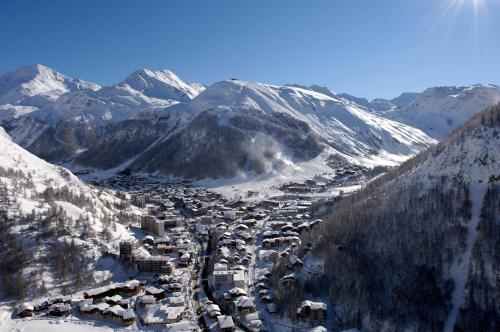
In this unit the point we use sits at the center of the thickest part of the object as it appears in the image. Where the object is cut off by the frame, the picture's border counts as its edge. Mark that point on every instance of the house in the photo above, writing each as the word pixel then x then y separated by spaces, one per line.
pixel 147 300
pixel 289 279
pixel 42 305
pixel 237 292
pixel 244 305
pixel 184 260
pixel 128 317
pixel 158 293
pixel 113 300
pixel 96 310
pixel 315 311
pixel 129 288
pixel 225 323
pixel 25 310
pixel 175 301
pixel 60 309
pixel 213 310
pixel 173 314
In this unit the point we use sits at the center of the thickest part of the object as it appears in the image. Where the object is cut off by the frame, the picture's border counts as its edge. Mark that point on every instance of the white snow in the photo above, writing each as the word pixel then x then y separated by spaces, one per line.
pixel 459 271
pixel 437 111
pixel 348 127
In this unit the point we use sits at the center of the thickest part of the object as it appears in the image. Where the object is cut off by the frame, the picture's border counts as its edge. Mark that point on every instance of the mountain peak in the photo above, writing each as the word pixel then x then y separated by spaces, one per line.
pixel 36 84
pixel 163 84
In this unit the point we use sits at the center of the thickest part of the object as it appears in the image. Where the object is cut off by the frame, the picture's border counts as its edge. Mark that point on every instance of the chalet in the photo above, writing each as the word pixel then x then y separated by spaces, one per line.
pixel 147 300
pixel 184 260
pixel 213 310
pixel 158 293
pixel 175 287
pixel 244 305
pixel 176 301
pixel 167 279
pixel 315 311
pixel 59 309
pixel 237 292
pixel 113 300
pixel 289 279
pixel 128 317
pixel 173 314
pixel 25 310
pixel 253 321
pixel 225 323
pixel 96 310
pixel 61 299
pixel 42 305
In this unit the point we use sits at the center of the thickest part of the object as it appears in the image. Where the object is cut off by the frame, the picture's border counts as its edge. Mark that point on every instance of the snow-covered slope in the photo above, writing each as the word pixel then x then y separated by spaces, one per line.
pixel 415 249
pixel 437 111
pixel 381 105
pixel 235 127
pixel 55 116
pixel 38 85
pixel 344 125
pixel 162 84
pixel 45 209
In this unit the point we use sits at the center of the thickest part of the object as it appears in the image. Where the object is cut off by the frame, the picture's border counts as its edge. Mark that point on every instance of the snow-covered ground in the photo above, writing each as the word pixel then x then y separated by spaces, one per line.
pixel 52 324
pixel 459 270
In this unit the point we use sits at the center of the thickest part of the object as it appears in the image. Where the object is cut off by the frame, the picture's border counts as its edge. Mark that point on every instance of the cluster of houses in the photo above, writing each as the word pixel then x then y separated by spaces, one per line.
pixel 176 223
pixel 112 302
pixel 58 306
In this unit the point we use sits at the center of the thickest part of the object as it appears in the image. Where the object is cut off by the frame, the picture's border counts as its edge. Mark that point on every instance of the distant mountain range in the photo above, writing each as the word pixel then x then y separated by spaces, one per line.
pixel 156 123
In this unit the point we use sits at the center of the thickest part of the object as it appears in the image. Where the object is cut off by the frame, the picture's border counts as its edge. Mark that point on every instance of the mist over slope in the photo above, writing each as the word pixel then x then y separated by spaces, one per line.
pixel 235 126
pixel 154 122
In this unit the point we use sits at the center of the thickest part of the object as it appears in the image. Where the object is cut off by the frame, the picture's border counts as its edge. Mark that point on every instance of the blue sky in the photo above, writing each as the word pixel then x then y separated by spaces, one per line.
pixel 369 48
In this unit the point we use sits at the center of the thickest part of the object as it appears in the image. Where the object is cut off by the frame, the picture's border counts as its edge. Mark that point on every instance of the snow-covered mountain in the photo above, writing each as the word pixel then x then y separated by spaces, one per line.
pixel 381 105
pixel 416 248
pixel 47 214
pixel 38 86
pixel 345 126
pixel 162 84
pixel 55 116
pixel 437 111
pixel 235 126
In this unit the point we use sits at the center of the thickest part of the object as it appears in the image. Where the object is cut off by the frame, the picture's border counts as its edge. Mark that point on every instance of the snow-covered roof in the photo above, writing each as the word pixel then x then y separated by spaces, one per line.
pixel 24 307
pixel 225 322
pixel 314 305
pixel 245 302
